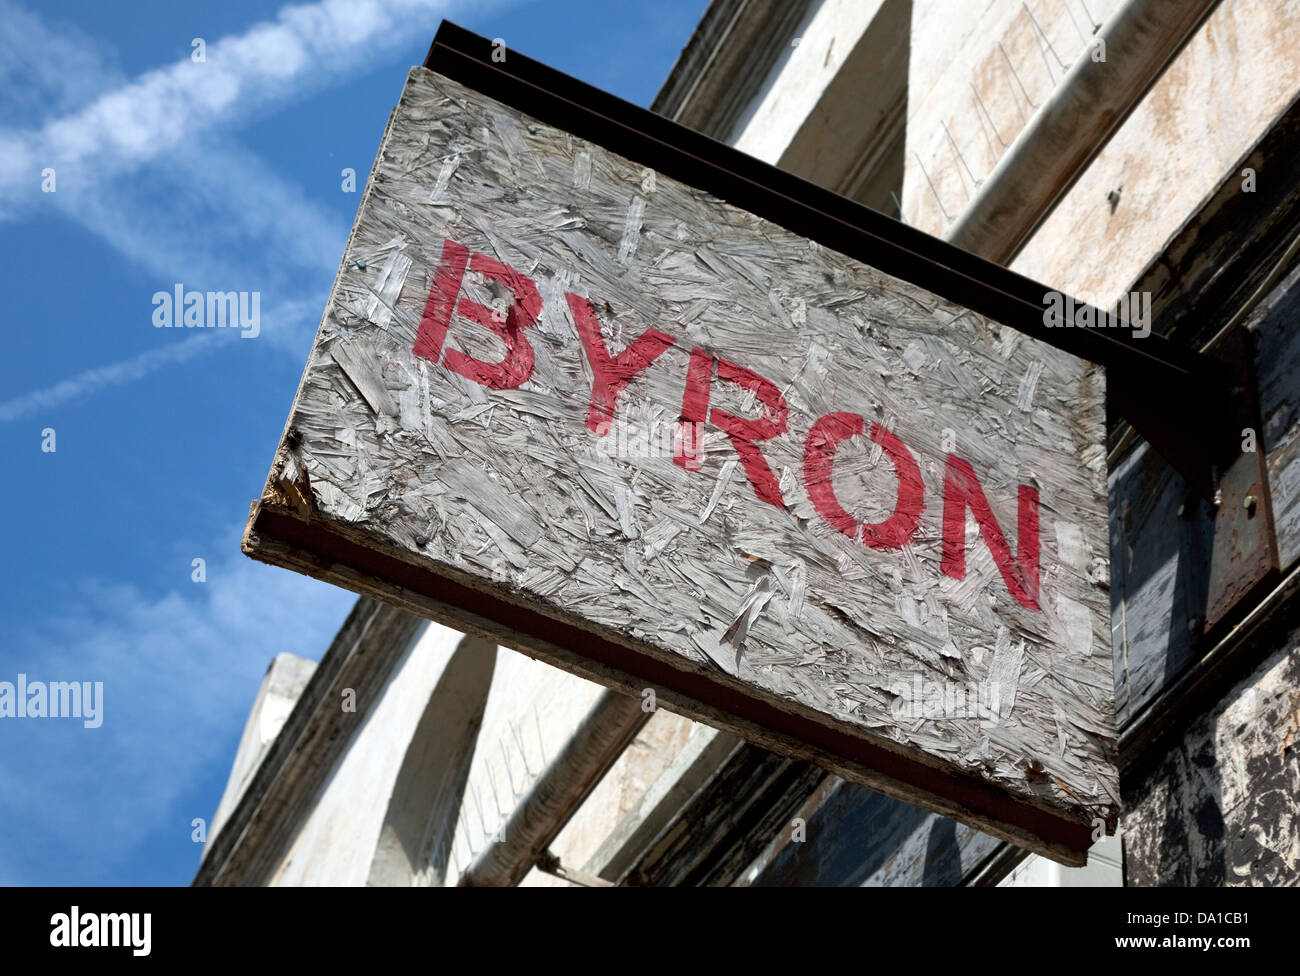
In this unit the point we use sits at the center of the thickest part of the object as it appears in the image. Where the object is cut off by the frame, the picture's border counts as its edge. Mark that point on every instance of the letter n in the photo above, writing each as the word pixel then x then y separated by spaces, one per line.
pixel 961 490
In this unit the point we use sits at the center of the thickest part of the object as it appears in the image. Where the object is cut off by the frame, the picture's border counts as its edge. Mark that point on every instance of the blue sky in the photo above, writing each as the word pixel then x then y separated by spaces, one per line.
pixel 223 175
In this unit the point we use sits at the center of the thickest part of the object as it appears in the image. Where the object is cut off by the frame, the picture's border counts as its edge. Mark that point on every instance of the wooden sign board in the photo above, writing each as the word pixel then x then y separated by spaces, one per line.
pixel 567 402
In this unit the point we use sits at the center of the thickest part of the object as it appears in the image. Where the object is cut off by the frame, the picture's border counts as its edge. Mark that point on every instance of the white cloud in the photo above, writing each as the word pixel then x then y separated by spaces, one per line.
pixel 303 48
pixel 180 673
pixel 290 325
pixel 102 377
pixel 43 69
pixel 212 211
pixel 209 215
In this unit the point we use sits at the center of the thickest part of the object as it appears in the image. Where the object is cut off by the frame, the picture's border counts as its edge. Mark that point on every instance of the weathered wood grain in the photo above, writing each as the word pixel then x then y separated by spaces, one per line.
pixel 1162 535
pixel 1278 370
pixel 1220 808
pixel 897 845
pixel 740 587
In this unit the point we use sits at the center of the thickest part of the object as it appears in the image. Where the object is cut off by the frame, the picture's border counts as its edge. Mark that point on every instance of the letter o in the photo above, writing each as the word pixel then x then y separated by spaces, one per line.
pixel 818 464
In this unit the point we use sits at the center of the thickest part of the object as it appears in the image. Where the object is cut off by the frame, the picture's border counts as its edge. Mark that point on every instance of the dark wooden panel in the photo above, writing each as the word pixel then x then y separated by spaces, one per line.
pixel 1277 326
pixel 727 823
pixel 862 838
pixel 1160 572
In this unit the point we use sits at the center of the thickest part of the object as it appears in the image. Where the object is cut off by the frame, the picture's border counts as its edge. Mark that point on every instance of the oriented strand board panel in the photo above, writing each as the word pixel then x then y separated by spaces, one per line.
pixel 608 419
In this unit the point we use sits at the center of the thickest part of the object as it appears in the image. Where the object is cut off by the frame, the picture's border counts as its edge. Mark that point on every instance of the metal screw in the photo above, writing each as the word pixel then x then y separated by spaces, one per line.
pixel 421 541
pixel 361 265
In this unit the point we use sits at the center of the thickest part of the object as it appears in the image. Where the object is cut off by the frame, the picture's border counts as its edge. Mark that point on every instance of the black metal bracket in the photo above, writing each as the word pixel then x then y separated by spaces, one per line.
pixel 1244 561
pixel 1212 436
pixel 1190 406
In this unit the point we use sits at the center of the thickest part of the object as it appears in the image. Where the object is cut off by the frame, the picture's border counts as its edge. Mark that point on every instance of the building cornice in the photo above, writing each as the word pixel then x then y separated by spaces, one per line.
pixel 284 790
pixel 727 61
